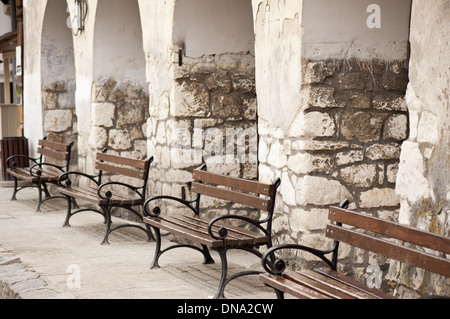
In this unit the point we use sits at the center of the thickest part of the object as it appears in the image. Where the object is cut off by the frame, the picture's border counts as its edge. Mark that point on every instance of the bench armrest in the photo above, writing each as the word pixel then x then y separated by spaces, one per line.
pixel 107 194
pixel 65 181
pixel 223 231
pixel 36 169
pixel 156 211
pixel 278 266
pixel 14 164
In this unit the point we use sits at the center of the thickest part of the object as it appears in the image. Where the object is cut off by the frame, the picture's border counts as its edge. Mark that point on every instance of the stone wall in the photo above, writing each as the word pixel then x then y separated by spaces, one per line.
pixel 60 119
pixel 343 143
pixel 119 124
pixel 211 110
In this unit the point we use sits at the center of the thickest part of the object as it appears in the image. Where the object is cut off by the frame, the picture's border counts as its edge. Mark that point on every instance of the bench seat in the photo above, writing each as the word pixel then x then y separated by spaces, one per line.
pixel 322 283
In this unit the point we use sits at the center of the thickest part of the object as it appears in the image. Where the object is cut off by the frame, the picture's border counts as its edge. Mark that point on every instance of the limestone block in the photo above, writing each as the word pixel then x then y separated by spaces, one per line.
pixel 378 197
pixel 308 220
pixel 318 71
pixel 320 191
pixel 119 139
pixel 57 120
pixel 319 145
pixel 243 83
pixel 287 189
pixel 428 128
pixel 395 77
pixel 226 105
pixel 360 100
pixel 104 114
pixel 383 151
pixel 396 127
pixel 304 163
pixel 320 96
pixel 318 125
pixel 359 175
pixel 98 137
pixel 349 157
pixel 391 173
pixel 102 89
pixel 249 108
pixel 411 180
pixel 389 102
pixel 219 82
pixel 313 124
pixel 129 114
pixel 276 156
pixel 352 81
pixel 363 126
pixel 190 99
pixel 49 100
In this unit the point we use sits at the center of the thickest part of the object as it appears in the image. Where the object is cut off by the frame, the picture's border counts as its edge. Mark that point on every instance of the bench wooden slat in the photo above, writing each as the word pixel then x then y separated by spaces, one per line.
pixel 257 237
pixel 334 290
pixel 236 235
pixel 290 287
pixel 171 227
pixel 120 170
pixel 54 145
pixel 22 173
pixel 85 193
pixel 122 160
pixel 351 282
pixel 390 249
pixel 225 194
pixel 54 154
pixel 233 182
pixel 198 227
pixel 201 225
pixel 391 229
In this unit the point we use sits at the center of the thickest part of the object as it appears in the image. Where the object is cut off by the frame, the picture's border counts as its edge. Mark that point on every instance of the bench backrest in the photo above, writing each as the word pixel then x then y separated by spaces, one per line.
pixel 55 152
pixel 238 190
pixel 130 167
pixel 410 254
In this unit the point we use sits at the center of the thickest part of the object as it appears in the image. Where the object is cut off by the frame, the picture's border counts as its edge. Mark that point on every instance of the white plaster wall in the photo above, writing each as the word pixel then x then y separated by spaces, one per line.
pixel 213 27
pixel 57 44
pixel 157 19
pixel 339 30
pixel 33 21
pixel 118 49
pixel 278 59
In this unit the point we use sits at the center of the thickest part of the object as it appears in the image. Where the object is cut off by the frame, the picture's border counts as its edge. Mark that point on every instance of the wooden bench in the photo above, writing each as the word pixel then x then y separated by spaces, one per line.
pixel 112 194
pixel 365 232
pixel 217 233
pixel 54 159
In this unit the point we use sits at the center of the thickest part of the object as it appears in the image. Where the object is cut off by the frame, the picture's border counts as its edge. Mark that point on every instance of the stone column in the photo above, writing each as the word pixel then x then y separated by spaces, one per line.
pixel 424 170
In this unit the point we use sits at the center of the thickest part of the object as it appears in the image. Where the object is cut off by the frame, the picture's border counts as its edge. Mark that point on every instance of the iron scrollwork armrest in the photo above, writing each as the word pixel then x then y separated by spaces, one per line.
pixel 14 157
pixel 278 266
pixel 65 181
pixel 36 169
pixel 156 211
pixel 223 231
pixel 108 193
